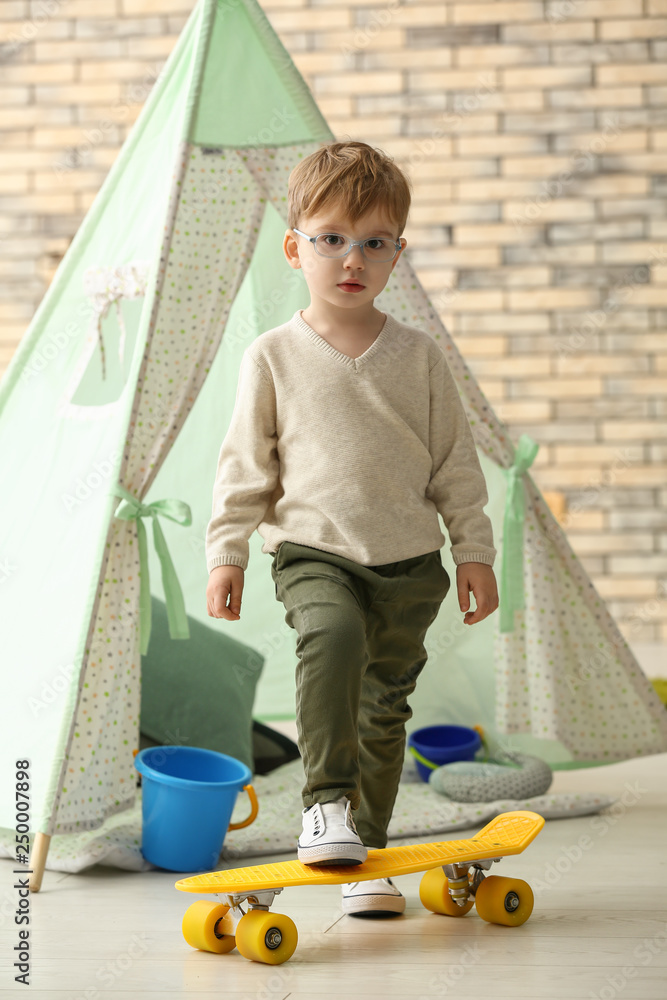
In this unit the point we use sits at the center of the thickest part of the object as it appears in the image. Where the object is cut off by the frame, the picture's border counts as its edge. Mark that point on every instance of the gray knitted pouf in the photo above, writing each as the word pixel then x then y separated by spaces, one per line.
pixel 471 781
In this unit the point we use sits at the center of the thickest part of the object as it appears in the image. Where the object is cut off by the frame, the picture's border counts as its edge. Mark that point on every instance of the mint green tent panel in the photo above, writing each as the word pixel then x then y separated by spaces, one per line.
pixel 266 101
pixel 63 455
pixel 188 230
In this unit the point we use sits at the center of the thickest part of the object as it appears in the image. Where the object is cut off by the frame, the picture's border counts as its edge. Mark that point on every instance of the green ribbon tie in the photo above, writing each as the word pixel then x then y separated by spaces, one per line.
pixel 176 510
pixel 511 582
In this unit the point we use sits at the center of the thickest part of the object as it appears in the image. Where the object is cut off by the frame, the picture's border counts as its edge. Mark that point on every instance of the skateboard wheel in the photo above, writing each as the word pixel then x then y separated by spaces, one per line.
pixel 502 900
pixel 206 926
pixel 262 936
pixel 434 894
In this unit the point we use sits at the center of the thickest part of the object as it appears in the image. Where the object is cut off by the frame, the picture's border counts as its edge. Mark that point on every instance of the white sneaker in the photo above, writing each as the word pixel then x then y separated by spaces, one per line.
pixel 329 835
pixel 377 897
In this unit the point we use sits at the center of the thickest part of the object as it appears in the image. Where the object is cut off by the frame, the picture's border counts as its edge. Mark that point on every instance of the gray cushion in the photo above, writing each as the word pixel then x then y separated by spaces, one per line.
pixel 514 775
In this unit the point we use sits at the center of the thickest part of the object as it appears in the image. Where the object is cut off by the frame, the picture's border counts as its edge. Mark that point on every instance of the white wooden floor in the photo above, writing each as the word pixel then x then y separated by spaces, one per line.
pixel 598 930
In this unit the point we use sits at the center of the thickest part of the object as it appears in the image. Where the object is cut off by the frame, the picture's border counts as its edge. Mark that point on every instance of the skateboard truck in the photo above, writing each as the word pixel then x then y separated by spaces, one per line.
pixel 460 885
pixel 262 899
pixel 259 900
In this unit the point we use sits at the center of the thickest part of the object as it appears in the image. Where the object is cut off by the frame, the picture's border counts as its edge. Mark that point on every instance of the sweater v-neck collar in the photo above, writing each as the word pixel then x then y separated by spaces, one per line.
pixel 345 359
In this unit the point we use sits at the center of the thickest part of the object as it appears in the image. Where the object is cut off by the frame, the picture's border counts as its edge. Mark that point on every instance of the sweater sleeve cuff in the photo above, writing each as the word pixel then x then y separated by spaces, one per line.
pixel 224 560
pixel 480 557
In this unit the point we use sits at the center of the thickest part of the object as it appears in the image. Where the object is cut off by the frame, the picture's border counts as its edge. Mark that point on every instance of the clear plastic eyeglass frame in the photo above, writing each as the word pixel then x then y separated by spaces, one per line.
pixel 353 243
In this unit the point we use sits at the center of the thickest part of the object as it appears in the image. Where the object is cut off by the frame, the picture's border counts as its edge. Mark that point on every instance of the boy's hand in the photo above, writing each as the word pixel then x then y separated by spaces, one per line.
pixel 480 578
pixel 223 582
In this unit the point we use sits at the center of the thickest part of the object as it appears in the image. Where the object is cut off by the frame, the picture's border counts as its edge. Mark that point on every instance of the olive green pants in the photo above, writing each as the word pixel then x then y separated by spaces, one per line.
pixel 360 649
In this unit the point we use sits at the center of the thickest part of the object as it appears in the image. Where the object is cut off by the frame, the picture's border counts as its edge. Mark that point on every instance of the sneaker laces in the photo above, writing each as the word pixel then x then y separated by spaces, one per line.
pixel 316 818
pixel 351 885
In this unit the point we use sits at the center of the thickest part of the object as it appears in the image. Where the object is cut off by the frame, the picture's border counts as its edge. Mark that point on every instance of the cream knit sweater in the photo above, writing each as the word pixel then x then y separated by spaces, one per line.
pixel 355 456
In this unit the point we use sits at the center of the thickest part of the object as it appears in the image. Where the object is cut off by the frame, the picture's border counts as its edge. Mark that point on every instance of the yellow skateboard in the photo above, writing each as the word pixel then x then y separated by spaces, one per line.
pixel 449 886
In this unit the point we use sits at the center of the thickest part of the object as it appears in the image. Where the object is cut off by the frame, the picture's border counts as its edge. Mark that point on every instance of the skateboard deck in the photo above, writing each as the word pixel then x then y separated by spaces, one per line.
pixel 509 833
pixel 453 882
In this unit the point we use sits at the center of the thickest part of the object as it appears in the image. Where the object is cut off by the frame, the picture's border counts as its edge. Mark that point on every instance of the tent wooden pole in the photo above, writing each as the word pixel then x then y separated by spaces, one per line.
pixel 38 860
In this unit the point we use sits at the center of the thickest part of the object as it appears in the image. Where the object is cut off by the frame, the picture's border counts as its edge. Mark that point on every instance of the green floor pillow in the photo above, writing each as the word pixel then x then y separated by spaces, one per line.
pixel 198 691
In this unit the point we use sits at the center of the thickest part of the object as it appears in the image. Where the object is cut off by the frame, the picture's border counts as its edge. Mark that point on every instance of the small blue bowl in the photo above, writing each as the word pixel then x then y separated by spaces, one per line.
pixel 440 745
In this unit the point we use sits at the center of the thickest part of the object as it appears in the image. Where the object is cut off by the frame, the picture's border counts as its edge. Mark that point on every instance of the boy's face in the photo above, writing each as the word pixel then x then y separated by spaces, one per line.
pixel 325 275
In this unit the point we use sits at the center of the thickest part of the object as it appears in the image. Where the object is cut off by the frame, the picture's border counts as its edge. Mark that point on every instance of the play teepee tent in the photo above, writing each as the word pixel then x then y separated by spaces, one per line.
pixel 113 410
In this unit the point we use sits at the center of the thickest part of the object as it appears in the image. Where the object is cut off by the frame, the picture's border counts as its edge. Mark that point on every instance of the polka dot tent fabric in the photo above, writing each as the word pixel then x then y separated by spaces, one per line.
pixel 565 672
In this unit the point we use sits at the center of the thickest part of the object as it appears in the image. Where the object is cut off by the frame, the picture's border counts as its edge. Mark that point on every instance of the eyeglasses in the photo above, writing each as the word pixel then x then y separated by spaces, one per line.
pixel 376 248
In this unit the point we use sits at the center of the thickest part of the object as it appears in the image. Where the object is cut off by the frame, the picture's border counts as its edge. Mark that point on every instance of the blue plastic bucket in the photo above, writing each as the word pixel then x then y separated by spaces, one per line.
pixel 188 795
pixel 440 745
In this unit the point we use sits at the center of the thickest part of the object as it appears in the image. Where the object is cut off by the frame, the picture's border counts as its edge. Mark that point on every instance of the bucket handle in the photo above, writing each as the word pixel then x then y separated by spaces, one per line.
pixel 421 759
pixel 432 766
pixel 254 809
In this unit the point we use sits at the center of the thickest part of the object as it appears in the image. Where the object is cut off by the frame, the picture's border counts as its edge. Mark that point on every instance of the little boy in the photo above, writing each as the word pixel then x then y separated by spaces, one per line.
pixel 348 437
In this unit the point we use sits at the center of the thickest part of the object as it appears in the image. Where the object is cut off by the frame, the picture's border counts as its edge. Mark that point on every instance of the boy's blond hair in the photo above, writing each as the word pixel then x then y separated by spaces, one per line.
pixel 352 175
